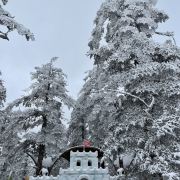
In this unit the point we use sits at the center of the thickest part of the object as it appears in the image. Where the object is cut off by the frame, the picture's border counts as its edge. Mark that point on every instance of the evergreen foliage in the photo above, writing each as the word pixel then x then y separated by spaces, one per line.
pixel 2 93
pixel 40 120
pixel 7 20
pixel 130 100
pixel 9 140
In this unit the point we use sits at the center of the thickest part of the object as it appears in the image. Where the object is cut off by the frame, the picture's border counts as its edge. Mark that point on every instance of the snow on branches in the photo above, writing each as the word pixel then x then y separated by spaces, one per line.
pixel 7 20
pixel 130 99
pixel 42 115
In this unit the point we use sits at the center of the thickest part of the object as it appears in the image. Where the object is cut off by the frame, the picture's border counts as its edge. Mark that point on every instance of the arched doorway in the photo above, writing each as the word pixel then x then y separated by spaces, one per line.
pixel 83 177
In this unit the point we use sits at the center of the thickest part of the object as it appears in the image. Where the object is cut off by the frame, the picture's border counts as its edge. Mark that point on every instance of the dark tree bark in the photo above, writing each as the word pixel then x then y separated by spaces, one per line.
pixel 41 150
pixel 41 153
pixel 83 129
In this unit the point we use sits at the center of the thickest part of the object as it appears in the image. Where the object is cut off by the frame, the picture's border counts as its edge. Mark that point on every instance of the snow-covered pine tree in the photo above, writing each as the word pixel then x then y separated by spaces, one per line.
pixel 42 111
pixel 7 20
pixel 130 101
pixel 8 137
pixel 2 127
pixel 14 156
pixel 2 92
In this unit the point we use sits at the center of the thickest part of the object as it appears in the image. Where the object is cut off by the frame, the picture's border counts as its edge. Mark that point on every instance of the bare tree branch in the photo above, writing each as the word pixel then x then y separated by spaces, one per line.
pixel 169 34
pixel 32 158
pixel 115 168
pixel 4 35
pixel 50 168
pixel 54 163
pixel 149 106
pixel 137 97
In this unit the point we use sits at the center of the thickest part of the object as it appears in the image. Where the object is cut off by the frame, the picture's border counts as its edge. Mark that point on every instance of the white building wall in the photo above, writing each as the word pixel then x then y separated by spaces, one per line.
pixel 75 172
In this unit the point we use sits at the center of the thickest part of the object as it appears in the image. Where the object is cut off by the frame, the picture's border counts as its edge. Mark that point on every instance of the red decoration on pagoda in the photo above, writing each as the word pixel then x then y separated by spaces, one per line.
pixel 87 143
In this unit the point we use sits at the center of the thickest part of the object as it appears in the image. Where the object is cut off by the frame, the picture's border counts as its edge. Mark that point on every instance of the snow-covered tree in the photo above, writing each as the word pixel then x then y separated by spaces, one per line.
pixel 2 92
pixel 7 20
pixel 41 117
pixel 130 101
pixel 9 140
pixel 14 148
pixel 2 100
pixel 2 118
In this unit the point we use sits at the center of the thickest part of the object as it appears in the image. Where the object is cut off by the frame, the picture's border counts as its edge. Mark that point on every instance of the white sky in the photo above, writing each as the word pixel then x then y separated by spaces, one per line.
pixel 62 28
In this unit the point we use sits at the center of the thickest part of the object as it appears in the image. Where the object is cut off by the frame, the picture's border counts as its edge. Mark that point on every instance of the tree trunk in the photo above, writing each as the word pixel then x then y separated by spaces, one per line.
pixel 83 130
pixel 41 150
pixel 41 153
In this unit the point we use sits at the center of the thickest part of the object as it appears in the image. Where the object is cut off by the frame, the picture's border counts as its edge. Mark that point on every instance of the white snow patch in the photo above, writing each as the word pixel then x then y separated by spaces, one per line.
pixel 177 155
pixel 47 162
pixel 102 160
pixel 116 162
pixel 103 39
pixel 120 171
pixel 153 2
pixel 44 171
pixel 127 159
pixel 120 91
pixel 111 157
pixel 171 176
pixel 177 162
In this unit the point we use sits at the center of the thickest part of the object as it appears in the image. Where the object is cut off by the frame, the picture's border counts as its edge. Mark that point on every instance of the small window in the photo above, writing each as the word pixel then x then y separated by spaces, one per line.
pixel 89 163
pixel 78 163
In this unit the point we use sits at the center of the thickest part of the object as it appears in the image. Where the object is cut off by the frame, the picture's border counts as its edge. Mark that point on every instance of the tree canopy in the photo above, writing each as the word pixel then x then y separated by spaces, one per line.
pixel 8 21
pixel 130 100
pixel 40 120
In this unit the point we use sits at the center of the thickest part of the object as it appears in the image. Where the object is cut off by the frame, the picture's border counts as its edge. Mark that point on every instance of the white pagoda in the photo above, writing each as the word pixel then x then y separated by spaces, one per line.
pixel 85 164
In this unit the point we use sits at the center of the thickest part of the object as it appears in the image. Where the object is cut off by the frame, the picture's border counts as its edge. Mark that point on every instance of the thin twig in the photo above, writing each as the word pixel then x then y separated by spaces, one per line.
pixel 50 168
pixel 169 34
pixel 32 158
pixel 149 106
pixel 137 97
pixel 4 35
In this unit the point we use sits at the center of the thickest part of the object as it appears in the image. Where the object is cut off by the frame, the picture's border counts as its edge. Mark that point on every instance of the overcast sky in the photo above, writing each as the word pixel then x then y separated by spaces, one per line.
pixel 62 28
